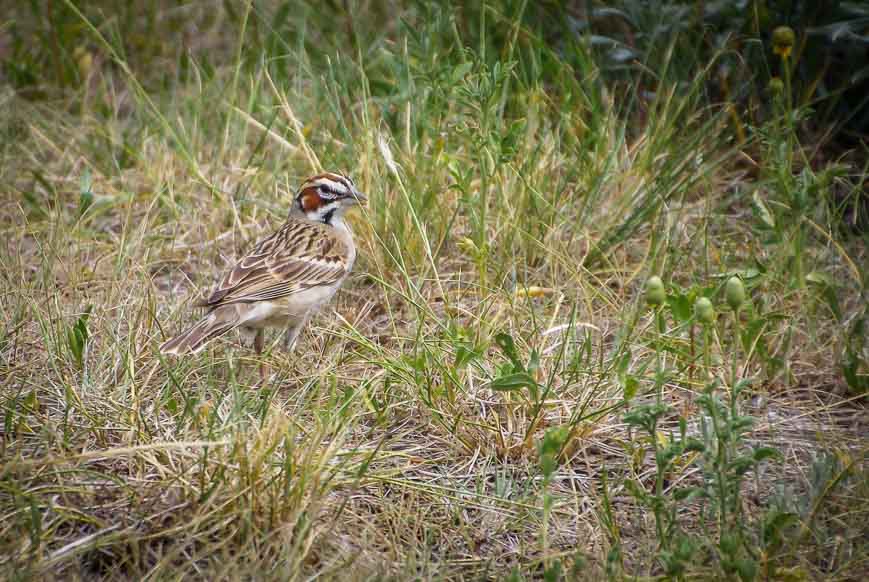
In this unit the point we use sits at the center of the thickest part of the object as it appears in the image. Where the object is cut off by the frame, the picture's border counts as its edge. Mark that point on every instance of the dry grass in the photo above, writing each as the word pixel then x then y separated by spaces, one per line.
pixel 370 453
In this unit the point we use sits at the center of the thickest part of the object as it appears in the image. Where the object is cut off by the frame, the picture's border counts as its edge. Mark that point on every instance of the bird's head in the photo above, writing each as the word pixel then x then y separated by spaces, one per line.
pixel 326 197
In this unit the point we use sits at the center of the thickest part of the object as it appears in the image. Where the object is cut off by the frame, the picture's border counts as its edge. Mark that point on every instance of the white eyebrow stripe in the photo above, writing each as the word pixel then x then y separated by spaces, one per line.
pixel 339 187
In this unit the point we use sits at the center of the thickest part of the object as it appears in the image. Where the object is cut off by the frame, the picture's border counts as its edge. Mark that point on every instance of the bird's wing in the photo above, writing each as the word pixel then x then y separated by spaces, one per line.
pixel 299 256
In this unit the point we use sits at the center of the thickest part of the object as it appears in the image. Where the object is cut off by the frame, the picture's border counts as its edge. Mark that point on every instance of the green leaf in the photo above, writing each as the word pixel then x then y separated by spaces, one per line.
pixel 534 361
pixel 464 355
pixel 630 385
pixel 32 401
pixel 819 278
pixel 681 306
pixel 688 493
pixel 742 385
pixel 534 392
pixel 693 445
pixel 762 453
pixel 762 211
pixel 747 569
pixel 740 465
pixel 741 424
pixel 510 382
pixel 508 346
pixel 623 363
pixel 77 337
pixel 416 362
pixel 744 274
pixel 553 572
pixel 774 524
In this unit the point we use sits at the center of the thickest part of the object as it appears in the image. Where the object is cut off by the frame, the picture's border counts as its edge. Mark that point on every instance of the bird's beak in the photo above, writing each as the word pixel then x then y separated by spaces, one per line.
pixel 361 199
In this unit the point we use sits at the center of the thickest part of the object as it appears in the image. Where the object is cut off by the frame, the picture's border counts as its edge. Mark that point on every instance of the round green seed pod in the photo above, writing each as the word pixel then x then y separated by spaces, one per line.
pixel 734 292
pixel 655 293
pixel 703 311
pixel 776 86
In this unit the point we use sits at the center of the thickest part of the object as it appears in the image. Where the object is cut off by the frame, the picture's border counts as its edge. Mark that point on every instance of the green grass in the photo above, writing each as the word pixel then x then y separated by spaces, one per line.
pixel 490 395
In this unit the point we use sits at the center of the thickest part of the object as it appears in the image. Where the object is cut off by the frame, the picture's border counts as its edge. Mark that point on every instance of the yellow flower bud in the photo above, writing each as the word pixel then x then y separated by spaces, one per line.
pixel 534 292
pixel 703 311
pixel 783 41
pixel 655 293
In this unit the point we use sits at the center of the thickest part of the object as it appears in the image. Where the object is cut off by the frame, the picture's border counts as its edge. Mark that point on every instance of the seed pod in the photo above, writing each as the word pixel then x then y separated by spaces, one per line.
pixel 84 60
pixel 703 311
pixel 734 292
pixel 776 86
pixel 469 247
pixel 783 38
pixel 655 293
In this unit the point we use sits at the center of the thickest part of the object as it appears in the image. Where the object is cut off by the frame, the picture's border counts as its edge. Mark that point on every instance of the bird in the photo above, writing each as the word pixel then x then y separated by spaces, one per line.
pixel 286 277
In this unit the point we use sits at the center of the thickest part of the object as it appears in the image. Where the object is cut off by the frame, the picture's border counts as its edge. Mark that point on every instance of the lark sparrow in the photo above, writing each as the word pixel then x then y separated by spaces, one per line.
pixel 288 275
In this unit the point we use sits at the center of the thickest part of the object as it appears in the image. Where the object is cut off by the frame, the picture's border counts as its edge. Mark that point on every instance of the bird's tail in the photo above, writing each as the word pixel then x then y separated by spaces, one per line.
pixel 193 340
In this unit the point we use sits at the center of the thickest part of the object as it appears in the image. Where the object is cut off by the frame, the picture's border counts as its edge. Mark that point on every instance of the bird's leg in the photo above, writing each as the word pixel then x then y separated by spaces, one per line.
pixel 258 341
pixel 293 334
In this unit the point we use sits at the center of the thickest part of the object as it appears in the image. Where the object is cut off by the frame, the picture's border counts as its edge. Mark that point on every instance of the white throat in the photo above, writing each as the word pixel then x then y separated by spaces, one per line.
pixel 346 235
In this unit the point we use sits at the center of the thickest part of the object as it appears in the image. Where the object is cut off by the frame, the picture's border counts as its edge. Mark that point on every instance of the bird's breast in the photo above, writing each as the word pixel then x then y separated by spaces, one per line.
pixel 287 311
